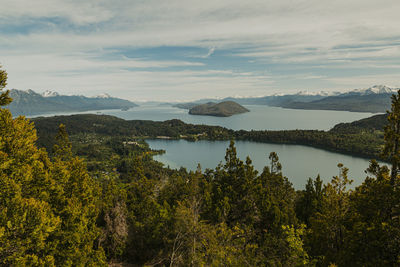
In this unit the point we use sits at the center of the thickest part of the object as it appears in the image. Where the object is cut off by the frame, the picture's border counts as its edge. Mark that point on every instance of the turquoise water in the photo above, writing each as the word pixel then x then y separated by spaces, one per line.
pixel 299 162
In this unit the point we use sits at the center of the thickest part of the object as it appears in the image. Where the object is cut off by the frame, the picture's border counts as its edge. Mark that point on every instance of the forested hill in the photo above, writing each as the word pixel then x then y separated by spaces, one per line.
pixel 361 138
pixel 222 109
pixel 31 103
pixel 374 123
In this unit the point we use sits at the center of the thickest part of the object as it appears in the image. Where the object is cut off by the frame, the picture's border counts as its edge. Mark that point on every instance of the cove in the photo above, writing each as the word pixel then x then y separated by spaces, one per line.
pixel 298 162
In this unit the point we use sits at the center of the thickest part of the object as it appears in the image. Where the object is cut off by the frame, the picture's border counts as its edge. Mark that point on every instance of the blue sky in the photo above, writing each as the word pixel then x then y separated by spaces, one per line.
pixel 184 50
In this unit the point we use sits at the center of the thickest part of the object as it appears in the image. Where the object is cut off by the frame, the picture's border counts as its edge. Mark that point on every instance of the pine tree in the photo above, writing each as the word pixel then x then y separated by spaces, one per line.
pixel 47 209
pixel 328 227
pixel 76 204
pixel 392 137
pixel 4 98
pixel 309 200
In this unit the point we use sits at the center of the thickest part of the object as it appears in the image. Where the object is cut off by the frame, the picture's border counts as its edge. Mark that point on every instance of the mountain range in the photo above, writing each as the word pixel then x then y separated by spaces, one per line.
pixel 376 99
pixel 31 103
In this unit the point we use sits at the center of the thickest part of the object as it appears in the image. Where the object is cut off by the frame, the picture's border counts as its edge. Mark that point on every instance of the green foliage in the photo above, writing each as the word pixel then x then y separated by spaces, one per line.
pixel 392 137
pixel 297 254
pixel 309 201
pixel 48 207
pixel 329 225
pixel 4 98
pixel 373 237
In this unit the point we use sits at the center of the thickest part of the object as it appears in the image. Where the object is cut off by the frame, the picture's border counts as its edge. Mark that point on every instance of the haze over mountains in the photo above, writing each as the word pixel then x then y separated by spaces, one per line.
pixel 31 103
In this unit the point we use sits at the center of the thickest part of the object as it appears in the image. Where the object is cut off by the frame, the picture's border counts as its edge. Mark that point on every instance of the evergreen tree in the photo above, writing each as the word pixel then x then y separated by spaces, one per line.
pixel 4 98
pixel 328 227
pixel 392 137
pixel 309 200
pixel 374 239
pixel 47 208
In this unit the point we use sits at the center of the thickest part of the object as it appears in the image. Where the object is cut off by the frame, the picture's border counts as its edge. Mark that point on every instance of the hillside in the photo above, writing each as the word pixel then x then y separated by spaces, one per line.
pixel 374 123
pixel 223 109
pixel 31 103
pixel 375 103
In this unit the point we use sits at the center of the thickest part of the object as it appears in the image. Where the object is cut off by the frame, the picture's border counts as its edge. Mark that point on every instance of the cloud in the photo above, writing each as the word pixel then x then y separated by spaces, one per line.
pixel 76 12
pixel 151 85
pixel 52 42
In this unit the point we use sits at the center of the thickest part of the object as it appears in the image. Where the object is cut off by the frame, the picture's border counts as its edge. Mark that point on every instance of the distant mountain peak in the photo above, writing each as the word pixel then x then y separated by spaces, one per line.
pixel 376 89
pixel 105 95
pixel 49 93
pixel 320 93
pixel 381 89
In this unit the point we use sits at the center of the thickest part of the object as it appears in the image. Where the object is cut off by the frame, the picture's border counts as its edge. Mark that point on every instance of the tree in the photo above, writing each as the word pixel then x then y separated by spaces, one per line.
pixel 62 148
pixel 4 98
pixel 374 236
pixel 47 208
pixel 328 227
pixel 230 190
pixel 309 200
pixel 392 137
pixel 275 197
pixel 76 202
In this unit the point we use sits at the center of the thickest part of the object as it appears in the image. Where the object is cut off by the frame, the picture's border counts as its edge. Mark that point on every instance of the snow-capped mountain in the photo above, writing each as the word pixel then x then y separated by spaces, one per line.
pixel 103 96
pixel 320 93
pixel 374 99
pixel 376 89
pixel 49 93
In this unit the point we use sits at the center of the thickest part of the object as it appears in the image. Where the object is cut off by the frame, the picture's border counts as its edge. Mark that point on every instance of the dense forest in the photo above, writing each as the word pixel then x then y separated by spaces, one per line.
pixel 96 198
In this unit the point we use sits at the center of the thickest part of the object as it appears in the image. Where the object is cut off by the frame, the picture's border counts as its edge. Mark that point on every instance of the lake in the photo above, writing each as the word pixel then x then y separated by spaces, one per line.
pixel 299 162
pixel 260 117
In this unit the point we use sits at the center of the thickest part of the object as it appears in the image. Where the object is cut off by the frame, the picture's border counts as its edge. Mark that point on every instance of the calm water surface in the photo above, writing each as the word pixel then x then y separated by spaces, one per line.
pixel 260 117
pixel 299 162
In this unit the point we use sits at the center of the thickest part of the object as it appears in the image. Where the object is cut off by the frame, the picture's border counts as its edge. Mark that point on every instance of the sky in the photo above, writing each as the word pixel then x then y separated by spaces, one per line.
pixel 169 50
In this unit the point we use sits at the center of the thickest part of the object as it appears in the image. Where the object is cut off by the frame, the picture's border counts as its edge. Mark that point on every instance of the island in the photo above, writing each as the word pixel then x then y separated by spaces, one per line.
pixel 223 109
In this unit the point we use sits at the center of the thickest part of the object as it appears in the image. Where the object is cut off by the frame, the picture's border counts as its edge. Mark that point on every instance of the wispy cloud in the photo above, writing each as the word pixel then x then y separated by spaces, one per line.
pixel 68 42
